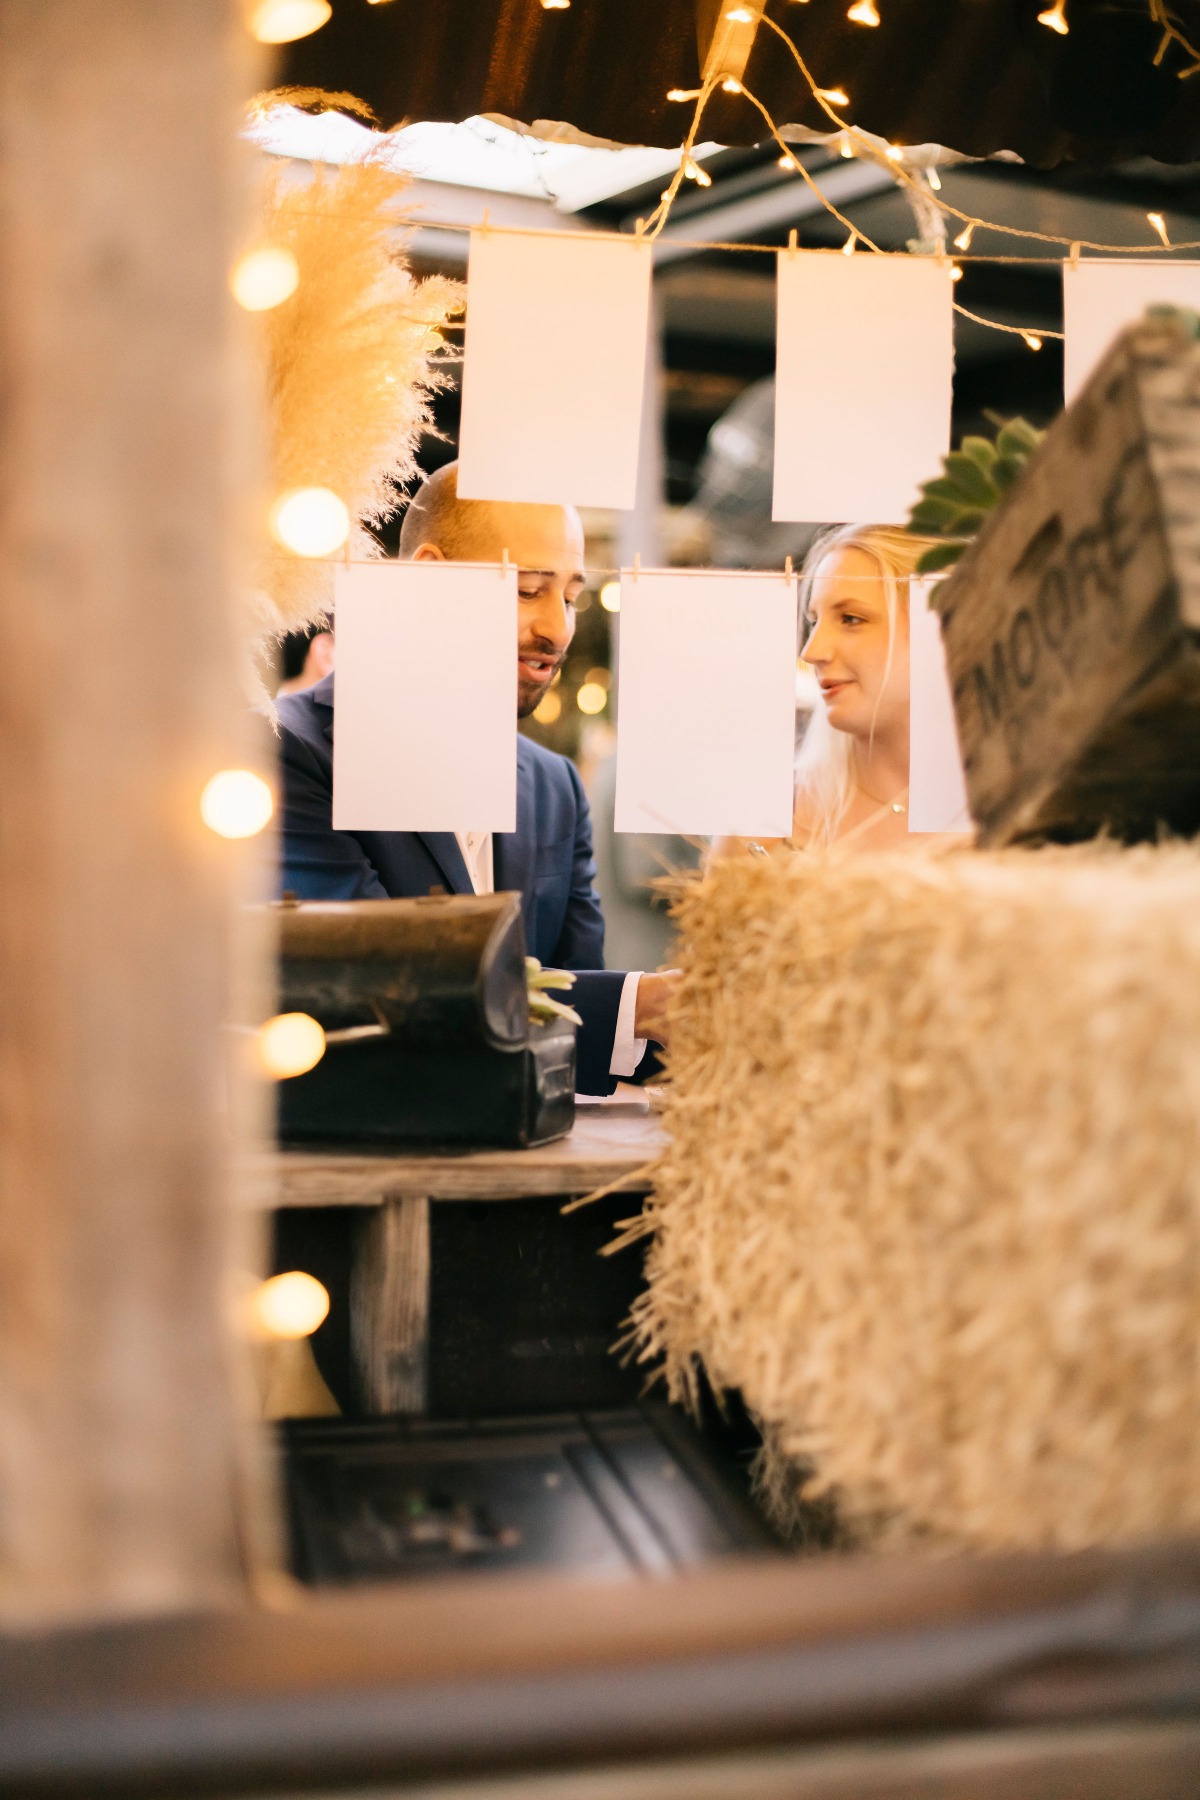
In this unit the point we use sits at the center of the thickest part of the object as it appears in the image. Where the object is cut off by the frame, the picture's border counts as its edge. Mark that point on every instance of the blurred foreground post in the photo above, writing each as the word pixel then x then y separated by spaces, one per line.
pixel 118 697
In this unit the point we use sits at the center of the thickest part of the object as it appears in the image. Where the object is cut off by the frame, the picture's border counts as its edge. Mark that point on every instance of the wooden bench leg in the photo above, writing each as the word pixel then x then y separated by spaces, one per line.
pixel 389 1307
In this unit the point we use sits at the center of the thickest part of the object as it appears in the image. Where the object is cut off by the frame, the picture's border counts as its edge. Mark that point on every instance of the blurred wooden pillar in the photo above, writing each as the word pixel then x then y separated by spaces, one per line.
pixel 119 475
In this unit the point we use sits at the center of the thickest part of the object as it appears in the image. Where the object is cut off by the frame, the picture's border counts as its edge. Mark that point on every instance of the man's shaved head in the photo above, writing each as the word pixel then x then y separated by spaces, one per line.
pixel 544 545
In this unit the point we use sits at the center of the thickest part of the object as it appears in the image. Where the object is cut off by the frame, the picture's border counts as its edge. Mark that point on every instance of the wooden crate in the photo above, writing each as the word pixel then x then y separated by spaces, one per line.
pixel 1072 625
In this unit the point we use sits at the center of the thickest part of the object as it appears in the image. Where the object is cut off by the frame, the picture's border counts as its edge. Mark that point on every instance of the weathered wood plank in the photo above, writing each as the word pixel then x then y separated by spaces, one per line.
pixel 389 1307
pixel 599 1151
pixel 118 437
pixel 1072 625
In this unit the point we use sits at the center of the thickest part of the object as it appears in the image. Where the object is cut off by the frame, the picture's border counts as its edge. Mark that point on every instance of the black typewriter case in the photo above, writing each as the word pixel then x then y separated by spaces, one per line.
pixel 428 1039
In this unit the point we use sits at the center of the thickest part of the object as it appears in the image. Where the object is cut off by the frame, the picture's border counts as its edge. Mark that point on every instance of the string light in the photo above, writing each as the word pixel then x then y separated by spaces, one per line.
pixel 236 803
pixel 591 698
pixel 787 162
pixel 731 85
pixel 1055 18
pixel 683 93
pixel 737 15
pixel 835 96
pixel 555 5
pixel 289 1306
pixel 848 246
pixel 610 596
pixel 264 278
pixel 283 21
pixel 934 180
pixel 290 1044
pixel 845 146
pixel 963 240
pixel 864 13
pixel 956 273
pixel 310 522
pixel 694 172
pixel 893 153
pixel 1032 339
pixel 1160 225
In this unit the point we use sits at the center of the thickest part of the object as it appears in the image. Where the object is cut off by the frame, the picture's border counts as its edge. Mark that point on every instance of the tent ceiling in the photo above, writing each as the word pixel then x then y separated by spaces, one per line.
pixel 976 75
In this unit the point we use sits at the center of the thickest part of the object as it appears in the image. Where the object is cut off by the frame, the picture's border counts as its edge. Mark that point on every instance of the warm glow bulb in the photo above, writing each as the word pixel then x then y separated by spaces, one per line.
pixel 955 273
pixel 591 698
pixel 848 246
pixel 963 240
pixel 835 96
pixel 283 21
pixel 264 278
pixel 934 180
pixel 731 85
pixel 787 162
pixel 1055 17
pixel 555 5
pixel 893 152
pixel 1160 225
pixel 310 522
pixel 695 173
pixel 290 1044
pixel 846 147
pixel 610 596
pixel 740 15
pixel 683 93
pixel 236 803
pixel 289 1306
pixel 1032 339
pixel 864 13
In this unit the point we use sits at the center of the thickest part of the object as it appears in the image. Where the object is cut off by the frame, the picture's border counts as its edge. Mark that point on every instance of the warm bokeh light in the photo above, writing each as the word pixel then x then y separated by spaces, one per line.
pixel 283 21
pixel 731 85
pixel 548 709
pixel 963 240
pixel 610 596
pixel 1055 17
pixel 836 96
pixel 599 678
pixel 955 273
pixel 787 162
pixel 310 522
pixel 1160 225
pixel 864 13
pixel 591 698
pixel 264 278
pixel 289 1306
pixel 290 1044
pixel 555 5
pixel 1032 339
pixel 236 803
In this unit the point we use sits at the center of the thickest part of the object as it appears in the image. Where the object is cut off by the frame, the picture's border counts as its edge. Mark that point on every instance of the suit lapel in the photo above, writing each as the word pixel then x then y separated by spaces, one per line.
pixel 513 851
pixel 443 848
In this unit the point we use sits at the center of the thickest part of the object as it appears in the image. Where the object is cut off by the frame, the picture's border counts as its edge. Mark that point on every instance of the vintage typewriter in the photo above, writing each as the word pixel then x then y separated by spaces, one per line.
pixel 427 1030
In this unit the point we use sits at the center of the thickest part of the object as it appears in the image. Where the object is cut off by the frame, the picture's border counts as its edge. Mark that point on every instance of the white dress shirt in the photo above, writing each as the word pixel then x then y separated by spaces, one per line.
pixel 628 1050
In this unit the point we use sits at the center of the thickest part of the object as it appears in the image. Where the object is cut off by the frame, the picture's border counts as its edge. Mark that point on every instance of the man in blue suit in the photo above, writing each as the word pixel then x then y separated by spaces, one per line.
pixel 548 858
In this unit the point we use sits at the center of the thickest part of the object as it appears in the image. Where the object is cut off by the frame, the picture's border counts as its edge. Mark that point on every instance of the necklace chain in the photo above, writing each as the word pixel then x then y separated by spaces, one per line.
pixel 897 805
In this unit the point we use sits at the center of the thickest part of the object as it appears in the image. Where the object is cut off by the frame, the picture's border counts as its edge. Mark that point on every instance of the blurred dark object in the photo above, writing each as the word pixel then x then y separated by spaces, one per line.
pixel 612 1493
pixel 428 1038
pixel 977 78
pixel 305 657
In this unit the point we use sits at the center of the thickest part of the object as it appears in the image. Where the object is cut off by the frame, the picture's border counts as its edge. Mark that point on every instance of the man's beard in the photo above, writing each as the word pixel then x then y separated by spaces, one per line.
pixel 530 693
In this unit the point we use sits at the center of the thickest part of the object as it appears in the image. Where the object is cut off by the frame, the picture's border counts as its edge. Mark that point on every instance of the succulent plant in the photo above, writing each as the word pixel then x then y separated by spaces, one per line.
pixel 542 1008
pixel 976 478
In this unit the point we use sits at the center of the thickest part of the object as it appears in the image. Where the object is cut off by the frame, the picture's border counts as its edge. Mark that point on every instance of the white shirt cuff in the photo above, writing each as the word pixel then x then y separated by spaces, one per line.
pixel 628 1050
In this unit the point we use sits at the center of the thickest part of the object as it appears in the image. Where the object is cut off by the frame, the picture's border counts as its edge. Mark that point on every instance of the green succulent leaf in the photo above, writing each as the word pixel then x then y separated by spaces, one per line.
pixel 980 450
pixel 941 556
pixel 932 514
pixel 1017 437
pixel 978 488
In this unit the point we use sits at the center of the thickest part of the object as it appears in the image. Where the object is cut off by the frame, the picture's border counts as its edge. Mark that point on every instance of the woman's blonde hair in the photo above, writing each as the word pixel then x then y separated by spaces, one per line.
pixel 825 764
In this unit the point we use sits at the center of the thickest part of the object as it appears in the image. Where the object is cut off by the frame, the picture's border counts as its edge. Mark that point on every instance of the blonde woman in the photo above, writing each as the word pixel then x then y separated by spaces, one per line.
pixel 852 770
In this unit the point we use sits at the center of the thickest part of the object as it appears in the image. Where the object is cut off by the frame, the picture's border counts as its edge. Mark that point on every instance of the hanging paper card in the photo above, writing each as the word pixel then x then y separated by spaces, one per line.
pixel 426 688
pixel 553 369
pixel 1100 296
pixel 937 788
pixel 707 698
pixel 864 373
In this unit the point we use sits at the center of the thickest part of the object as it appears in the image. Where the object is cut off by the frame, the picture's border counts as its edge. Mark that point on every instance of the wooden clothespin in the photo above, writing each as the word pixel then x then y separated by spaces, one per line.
pixel 787 568
pixel 1074 256
pixel 639 227
pixel 637 564
pixel 793 241
pixel 504 562
pixel 484 222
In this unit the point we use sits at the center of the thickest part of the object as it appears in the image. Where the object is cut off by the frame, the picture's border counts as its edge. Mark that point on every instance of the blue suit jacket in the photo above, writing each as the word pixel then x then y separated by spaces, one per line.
pixel 547 860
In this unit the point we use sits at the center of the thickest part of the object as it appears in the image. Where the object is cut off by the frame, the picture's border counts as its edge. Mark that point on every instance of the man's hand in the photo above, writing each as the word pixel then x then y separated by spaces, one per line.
pixel 654 996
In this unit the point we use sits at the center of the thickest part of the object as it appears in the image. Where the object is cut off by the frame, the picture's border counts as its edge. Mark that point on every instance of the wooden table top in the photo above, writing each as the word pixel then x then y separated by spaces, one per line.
pixel 609 1145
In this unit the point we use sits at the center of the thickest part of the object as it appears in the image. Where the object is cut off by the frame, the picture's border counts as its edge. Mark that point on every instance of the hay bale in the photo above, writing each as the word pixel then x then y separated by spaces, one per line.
pixel 932 1199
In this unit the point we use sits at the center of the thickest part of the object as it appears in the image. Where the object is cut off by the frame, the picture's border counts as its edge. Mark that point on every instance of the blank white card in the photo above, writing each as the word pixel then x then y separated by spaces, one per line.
pixel 426 690
pixel 937 787
pixel 707 698
pixel 553 368
pixel 863 385
pixel 1100 297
